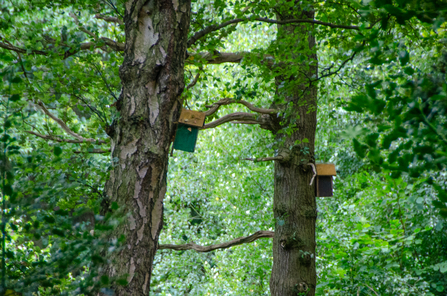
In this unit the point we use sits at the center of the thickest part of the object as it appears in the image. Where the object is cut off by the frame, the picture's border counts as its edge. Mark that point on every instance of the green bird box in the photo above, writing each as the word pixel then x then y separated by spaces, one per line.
pixel 324 185
pixel 188 130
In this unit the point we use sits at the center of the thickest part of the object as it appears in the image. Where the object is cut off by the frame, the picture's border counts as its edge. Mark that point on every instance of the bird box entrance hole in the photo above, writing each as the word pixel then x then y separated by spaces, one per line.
pixel 324 184
pixel 188 130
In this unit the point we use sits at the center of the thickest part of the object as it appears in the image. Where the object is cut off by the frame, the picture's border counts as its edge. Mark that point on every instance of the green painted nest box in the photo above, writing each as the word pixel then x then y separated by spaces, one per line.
pixel 324 185
pixel 188 130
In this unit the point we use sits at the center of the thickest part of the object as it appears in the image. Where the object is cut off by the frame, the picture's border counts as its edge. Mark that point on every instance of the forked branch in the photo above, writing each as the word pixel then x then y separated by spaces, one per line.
pixel 235 242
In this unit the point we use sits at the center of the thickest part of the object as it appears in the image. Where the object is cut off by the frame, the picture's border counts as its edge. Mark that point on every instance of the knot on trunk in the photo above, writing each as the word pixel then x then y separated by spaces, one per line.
pixel 299 155
pixel 292 241
pixel 301 289
pixel 306 258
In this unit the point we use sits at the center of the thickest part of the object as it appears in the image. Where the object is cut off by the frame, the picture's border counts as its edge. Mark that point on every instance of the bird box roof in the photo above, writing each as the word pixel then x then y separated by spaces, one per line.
pixel 194 118
pixel 326 169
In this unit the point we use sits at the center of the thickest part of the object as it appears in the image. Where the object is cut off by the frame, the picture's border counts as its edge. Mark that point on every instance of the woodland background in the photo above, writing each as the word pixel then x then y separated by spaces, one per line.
pixel 381 121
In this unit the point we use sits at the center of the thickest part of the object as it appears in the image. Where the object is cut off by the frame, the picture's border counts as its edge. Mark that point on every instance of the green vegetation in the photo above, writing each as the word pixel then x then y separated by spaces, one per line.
pixel 381 119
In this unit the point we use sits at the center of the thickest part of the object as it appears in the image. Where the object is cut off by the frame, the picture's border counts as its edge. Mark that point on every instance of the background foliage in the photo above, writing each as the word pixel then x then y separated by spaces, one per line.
pixel 381 120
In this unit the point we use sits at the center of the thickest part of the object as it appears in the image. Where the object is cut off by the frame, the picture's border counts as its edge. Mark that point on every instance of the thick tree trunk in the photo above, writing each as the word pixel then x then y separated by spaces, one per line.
pixel 294 205
pixel 152 82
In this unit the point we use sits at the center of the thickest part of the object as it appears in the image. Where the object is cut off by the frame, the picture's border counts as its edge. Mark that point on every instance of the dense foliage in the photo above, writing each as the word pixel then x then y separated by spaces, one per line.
pixel 381 120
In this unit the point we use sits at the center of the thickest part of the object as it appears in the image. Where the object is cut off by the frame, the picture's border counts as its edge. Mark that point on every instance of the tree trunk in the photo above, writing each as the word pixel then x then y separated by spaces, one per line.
pixel 152 82
pixel 294 204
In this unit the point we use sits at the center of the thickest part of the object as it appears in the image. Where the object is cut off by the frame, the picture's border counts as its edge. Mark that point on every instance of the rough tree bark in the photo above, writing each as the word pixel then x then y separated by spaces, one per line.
pixel 294 206
pixel 152 82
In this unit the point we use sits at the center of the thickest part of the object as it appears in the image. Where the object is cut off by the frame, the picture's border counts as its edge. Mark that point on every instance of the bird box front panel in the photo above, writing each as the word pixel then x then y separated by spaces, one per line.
pixel 324 186
pixel 193 118
pixel 186 137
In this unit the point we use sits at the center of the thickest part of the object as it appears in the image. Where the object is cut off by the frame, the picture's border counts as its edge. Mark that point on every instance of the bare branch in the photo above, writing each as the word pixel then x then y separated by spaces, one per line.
pixel 81 27
pixel 226 101
pixel 99 151
pixel 109 19
pixel 190 85
pixel 117 46
pixel 230 57
pixel 235 242
pixel 339 68
pixel 9 46
pixel 210 29
pixel 66 128
pixel 200 34
pixel 265 159
pixel 242 117
pixel 54 138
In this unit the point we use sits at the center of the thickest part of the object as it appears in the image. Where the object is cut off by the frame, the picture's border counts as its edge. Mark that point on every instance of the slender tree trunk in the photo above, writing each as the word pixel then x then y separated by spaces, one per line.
pixel 152 82
pixel 294 205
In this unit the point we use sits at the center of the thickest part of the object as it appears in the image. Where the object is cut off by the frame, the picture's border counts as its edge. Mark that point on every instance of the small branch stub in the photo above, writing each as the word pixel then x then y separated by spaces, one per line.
pixel 301 289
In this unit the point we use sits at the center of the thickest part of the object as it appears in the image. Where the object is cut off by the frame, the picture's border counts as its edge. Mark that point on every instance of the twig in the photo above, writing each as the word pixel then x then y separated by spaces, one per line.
pixel 265 159
pixel 99 151
pixel 109 19
pixel 81 27
pixel 427 122
pixel 232 243
pixel 339 68
pixel 117 46
pixel 200 34
pixel 65 127
pixel 54 138
pixel 196 78
pixel 372 290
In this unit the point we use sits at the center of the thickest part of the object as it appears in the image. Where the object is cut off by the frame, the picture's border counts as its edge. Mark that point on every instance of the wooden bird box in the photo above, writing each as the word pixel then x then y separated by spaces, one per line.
pixel 324 184
pixel 188 130
pixel 192 118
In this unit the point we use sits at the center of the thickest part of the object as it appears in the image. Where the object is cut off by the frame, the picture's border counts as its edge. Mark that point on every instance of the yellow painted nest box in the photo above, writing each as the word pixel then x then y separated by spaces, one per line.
pixel 324 185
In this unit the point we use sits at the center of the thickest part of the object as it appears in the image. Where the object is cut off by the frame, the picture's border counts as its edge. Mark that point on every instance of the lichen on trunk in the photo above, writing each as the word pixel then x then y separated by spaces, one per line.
pixel 152 83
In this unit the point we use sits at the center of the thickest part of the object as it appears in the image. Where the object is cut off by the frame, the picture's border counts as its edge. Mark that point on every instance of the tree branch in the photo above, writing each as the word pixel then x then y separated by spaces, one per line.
pixel 339 68
pixel 196 78
pixel 117 46
pixel 227 57
pixel 265 159
pixel 241 117
pixel 66 128
pixel 226 101
pixel 53 138
pixel 18 49
pixel 81 27
pixel 238 241
pixel 200 34
pixel 99 151
pixel 109 19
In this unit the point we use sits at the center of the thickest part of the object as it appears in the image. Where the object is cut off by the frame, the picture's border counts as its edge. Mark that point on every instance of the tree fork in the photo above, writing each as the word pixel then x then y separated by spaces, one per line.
pixel 149 103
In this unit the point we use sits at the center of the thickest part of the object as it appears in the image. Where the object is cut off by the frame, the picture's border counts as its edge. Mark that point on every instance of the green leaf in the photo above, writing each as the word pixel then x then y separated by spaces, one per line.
pixel 404 57
pixel 14 98
pixel 57 150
